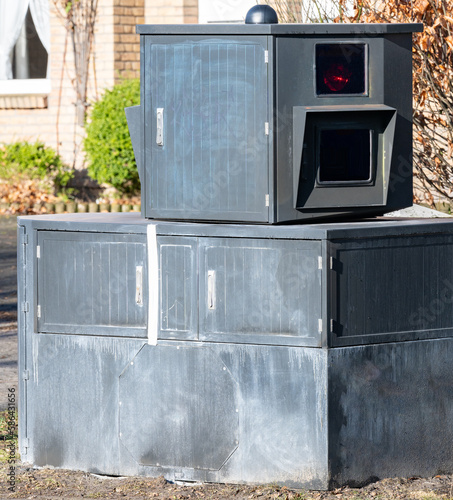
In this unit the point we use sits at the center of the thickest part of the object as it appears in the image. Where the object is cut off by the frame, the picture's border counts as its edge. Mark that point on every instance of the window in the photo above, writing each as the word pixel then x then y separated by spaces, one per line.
pixel 24 47
pixel 345 156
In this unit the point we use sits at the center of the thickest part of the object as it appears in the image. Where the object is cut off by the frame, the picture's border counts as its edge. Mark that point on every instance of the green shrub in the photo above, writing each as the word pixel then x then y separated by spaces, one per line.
pixel 108 146
pixel 34 161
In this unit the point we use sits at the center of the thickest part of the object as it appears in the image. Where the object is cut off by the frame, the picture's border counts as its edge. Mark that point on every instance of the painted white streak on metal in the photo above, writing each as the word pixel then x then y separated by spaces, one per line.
pixel 153 273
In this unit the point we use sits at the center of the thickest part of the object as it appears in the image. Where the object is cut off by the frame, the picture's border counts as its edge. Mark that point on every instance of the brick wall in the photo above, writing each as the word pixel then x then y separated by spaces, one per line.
pixel 127 14
pixel 171 11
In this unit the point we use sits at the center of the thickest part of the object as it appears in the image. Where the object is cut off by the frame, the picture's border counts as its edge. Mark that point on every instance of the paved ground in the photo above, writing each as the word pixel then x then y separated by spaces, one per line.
pixel 8 307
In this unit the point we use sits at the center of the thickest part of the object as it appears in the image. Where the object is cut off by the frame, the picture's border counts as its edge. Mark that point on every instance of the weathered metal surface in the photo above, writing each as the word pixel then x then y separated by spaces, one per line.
pixel 279 29
pixel 390 410
pixel 207 106
pixel 280 299
pixel 231 122
pixel 87 283
pixel 72 417
pixel 385 289
pixel 310 414
pixel 178 292
pixel 135 223
pixel 193 423
pixel 133 114
pixel 214 413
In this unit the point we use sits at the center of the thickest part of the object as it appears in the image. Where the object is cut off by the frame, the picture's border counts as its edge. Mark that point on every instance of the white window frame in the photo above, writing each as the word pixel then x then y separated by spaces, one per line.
pixel 33 87
pixel 25 87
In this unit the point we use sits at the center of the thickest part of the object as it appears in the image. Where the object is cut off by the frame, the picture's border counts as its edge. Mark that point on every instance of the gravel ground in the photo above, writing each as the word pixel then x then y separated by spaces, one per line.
pixel 52 483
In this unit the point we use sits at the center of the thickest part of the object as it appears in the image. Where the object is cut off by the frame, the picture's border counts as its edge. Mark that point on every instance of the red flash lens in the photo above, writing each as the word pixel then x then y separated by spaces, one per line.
pixel 337 77
pixel 340 69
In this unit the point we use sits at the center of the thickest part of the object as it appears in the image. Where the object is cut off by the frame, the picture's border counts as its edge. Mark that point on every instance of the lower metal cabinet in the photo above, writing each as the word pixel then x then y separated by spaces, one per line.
pixel 310 356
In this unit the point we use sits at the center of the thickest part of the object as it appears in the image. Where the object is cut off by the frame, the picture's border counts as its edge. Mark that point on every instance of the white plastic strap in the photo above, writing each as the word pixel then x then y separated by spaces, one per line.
pixel 153 273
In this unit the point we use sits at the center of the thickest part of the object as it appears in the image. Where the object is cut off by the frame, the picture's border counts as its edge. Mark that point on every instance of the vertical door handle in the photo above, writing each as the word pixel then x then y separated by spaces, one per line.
pixel 211 290
pixel 160 127
pixel 139 285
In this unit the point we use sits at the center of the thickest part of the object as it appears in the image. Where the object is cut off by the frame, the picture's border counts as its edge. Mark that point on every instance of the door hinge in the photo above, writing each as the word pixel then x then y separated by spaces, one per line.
pixel 25 307
pixel 38 311
pixel 320 325
pixel 266 56
pixel 25 239
pixel 26 375
pixel 266 200
pixel 319 262
pixel 38 252
pixel 26 443
pixel 266 128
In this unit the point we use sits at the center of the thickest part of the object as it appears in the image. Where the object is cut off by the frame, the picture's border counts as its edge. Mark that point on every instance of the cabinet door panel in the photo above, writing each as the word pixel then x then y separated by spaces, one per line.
pixel 92 283
pixel 260 291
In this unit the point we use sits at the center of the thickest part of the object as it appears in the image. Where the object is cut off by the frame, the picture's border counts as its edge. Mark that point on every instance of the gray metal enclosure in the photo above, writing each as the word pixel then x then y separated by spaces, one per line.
pixel 237 123
pixel 310 356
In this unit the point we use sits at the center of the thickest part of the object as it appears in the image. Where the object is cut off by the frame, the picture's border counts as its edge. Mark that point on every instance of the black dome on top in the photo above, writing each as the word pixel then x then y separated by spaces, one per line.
pixel 261 14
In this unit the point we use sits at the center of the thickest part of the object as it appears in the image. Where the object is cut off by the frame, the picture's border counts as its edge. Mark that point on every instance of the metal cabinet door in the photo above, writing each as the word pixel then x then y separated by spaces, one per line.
pixel 178 290
pixel 260 291
pixel 391 289
pixel 92 283
pixel 206 109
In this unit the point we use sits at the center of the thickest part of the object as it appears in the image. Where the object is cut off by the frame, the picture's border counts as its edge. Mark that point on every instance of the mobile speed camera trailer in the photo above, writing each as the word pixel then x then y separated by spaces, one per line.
pixel 214 339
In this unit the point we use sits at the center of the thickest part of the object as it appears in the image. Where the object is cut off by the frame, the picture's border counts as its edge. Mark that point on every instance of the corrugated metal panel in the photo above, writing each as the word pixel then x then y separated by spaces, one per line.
pixel 211 159
pixel 260 289
pixel 392 289
pixel 87 283
pixel 178 288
